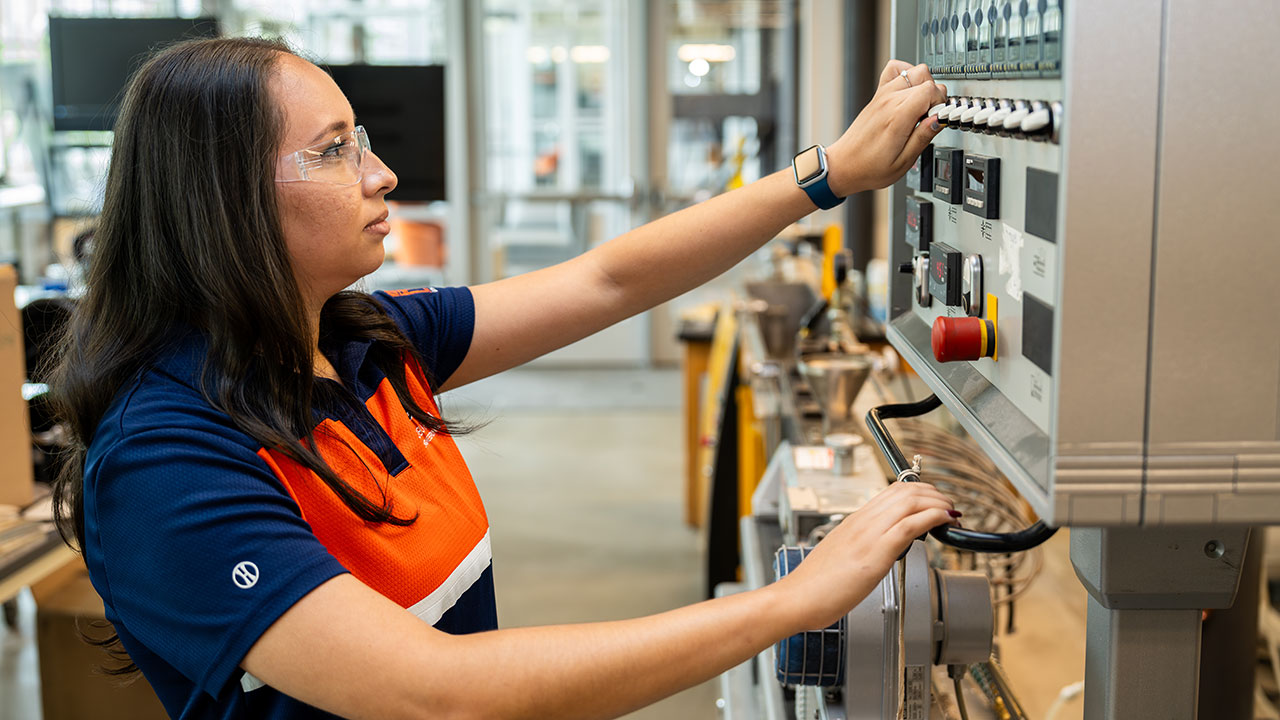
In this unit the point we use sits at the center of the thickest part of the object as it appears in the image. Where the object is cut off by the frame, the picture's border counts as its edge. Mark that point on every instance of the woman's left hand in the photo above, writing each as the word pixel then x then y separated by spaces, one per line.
pixel 890 132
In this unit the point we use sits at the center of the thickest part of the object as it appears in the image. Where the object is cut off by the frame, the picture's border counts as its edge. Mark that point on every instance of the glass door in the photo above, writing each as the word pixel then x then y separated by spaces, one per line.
pixel 558 103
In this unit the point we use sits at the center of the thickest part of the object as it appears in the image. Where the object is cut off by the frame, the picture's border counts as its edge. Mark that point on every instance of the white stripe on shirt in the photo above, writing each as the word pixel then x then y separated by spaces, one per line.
pixel 433 607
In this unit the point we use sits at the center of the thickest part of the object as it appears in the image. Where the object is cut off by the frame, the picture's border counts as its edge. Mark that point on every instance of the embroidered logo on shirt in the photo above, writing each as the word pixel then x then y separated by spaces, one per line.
pixel 245 575
pixel 425 435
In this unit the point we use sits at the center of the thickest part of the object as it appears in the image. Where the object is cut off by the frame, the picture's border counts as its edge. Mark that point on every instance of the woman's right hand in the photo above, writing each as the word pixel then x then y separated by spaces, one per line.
pixel 843 569
pixel 889 133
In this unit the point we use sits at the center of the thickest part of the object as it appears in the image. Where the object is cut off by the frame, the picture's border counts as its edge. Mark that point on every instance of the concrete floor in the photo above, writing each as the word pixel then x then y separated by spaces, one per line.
pixel 585 503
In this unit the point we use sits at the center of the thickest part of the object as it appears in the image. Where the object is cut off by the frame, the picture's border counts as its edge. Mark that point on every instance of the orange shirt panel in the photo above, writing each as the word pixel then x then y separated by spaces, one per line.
pixel 403 563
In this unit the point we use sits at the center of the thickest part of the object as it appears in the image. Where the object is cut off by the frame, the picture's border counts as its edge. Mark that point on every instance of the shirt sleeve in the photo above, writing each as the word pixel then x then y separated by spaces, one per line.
pixel 199 546
pixel 439 322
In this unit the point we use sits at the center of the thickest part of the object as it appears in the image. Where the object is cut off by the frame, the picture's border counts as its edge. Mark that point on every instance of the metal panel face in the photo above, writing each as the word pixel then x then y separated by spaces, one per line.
pixel 1146 389
pixel 1008 401
pixel 1215 344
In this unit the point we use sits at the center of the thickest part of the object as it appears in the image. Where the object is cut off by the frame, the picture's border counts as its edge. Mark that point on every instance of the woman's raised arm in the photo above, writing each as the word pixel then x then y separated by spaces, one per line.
pixel 521 318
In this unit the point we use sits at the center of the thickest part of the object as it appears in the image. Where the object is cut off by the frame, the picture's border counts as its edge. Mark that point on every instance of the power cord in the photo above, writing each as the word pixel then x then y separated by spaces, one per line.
pixel 1066 695
pixel 957 676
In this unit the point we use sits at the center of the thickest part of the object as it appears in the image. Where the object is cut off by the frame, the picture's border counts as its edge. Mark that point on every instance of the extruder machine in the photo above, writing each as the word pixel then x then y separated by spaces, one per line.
pixel 1084 253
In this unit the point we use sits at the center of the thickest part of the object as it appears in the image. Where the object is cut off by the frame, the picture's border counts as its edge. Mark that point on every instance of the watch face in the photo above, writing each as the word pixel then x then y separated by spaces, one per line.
pixel 808 165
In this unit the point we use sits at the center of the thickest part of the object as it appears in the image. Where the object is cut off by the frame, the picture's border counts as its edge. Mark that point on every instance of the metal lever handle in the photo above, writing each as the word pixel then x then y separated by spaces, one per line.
pixel 974 540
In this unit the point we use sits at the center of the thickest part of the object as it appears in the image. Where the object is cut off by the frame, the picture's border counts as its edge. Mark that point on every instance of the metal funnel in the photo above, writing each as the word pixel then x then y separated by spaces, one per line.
pixel 836 380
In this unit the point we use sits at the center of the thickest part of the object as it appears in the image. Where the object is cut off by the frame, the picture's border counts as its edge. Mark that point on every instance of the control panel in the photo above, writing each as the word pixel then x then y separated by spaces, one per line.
pixel 1073 248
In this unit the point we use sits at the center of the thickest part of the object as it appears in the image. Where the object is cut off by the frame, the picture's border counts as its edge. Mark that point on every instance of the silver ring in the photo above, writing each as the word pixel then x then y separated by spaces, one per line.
pixel 904 77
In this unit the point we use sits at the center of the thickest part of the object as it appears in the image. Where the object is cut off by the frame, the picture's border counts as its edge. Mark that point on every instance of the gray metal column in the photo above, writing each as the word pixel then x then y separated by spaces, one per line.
pixel 1141 664
pixel 1147 588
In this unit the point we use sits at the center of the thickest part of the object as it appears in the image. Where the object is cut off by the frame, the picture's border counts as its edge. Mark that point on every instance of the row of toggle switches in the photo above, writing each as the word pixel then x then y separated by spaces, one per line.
pixel 1032 119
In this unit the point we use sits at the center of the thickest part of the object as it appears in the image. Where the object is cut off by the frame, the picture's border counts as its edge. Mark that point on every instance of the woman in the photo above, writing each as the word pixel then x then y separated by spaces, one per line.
pixel 262 483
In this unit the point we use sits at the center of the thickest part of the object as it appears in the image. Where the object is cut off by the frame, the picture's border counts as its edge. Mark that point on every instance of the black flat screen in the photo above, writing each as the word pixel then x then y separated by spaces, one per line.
pixel 402 107
pixel 93 58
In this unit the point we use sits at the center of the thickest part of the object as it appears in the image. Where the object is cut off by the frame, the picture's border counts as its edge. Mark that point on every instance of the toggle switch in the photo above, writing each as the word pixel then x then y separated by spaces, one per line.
pixel 944 115
pixel 1014 121
pixel 968 115
pixel 935 109
pixel 961 105
pixel 1037 121
pixel 996 121
pixel 980 119
pixel 971 285
pixel 920 279
pixel 963 338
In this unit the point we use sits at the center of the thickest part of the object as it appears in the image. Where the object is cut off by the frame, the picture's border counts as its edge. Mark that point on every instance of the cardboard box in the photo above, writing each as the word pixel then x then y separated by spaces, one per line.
pixel 16 481
pixel 71 685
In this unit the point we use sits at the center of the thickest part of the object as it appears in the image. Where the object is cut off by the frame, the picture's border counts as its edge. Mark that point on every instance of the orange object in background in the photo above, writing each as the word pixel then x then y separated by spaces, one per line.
pixel 419 242
pixel 832 244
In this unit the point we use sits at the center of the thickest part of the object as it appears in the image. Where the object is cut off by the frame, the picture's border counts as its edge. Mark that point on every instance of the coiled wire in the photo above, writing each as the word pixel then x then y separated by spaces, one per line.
pixel 958 467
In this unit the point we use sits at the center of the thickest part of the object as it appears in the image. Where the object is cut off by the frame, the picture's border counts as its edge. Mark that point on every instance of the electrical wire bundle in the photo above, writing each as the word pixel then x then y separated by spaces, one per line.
pixel 991 680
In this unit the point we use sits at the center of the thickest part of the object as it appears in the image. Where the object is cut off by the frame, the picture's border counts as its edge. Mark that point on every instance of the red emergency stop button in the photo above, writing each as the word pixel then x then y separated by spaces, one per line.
pixel 963 338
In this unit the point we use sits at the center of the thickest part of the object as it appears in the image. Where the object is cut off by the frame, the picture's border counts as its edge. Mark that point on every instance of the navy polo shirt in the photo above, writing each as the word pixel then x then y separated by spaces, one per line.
pixel 198 538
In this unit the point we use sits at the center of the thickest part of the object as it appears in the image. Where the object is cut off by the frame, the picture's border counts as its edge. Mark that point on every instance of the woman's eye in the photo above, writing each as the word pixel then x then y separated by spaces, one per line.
pixel 334 150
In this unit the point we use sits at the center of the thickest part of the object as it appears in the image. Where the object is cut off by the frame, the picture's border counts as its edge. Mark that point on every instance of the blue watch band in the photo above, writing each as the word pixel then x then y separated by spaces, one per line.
pixel 821 195
pixel 809 167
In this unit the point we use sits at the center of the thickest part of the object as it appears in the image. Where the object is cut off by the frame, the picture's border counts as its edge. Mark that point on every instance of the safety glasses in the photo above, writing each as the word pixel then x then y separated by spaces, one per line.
pixel 339 161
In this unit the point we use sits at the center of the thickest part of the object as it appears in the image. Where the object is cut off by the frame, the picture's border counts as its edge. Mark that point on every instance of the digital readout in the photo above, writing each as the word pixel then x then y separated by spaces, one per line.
pixel 975 180
pixel 942 169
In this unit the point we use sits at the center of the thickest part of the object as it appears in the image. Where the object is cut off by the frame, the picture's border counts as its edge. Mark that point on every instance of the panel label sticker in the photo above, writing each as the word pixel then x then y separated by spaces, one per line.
pixel 1010 263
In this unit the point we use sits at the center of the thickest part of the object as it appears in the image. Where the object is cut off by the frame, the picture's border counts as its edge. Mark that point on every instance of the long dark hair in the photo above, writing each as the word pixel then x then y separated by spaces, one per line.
pixel 190 237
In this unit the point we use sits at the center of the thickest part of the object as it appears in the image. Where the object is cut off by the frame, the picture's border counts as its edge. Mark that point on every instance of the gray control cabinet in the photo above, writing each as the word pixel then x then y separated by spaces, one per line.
pixel 1127 266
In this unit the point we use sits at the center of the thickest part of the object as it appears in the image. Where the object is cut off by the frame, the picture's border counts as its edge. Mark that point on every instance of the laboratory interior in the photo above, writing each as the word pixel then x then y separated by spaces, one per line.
pixel 1046 318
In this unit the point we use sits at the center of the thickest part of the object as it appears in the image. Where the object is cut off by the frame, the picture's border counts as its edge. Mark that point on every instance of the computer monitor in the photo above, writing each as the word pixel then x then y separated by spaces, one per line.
pixel 93 58
pixel 402 107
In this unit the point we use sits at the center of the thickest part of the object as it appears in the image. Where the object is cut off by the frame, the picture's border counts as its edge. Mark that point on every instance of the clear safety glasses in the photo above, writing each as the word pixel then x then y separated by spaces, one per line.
pixel 339 161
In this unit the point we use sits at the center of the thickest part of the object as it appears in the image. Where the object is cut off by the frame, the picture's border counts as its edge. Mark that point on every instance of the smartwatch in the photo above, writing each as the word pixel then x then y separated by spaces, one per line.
pixel 810 168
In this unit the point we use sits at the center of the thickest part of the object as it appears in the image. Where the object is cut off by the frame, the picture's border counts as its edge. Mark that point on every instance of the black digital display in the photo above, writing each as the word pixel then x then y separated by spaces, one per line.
pixel 982 186
pixel 919 223
pixel 946 162
pixel 944 273
pixel 975 180
pixel 920 176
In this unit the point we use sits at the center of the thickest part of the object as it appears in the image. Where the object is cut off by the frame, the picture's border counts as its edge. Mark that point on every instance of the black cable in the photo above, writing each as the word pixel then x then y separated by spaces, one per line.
pixel 974 540
pixel 1008 628
pixel 964 713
